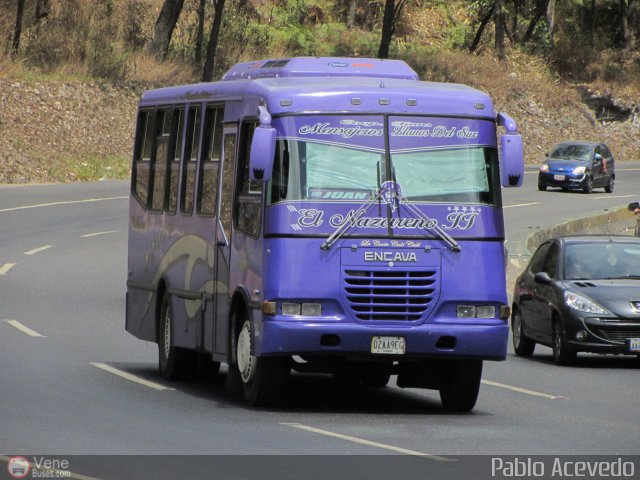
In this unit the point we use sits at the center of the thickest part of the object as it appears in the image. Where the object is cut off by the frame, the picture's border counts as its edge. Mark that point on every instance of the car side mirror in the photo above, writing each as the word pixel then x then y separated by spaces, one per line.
pixel 542 278
pixel 263 148
pixel 632 207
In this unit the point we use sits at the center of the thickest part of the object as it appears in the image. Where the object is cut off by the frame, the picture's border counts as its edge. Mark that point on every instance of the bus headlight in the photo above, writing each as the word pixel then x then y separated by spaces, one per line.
pixel 476 311
pixel 304 309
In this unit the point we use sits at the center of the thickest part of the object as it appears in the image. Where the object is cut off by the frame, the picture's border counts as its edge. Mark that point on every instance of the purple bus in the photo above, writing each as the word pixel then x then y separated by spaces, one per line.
pixel 332 215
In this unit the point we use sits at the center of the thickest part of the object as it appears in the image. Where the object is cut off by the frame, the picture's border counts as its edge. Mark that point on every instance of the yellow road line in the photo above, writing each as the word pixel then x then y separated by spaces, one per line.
pixel 23 328
pixel 368 443
pixel 524 390
pixel 132 378
pixel 68 202
pixel 38 250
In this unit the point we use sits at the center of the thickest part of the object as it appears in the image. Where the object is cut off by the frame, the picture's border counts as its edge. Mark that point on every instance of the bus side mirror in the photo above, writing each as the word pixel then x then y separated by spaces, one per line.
pixel 511 153
pixel 263 150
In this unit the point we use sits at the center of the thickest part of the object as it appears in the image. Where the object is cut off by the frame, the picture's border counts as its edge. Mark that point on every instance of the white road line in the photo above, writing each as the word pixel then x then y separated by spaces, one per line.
pixel 23 328
pixel 606 197
pixel 369 443
pixel 521 205
pixel 130 377
pixel 524 390
pixel 95 234
pixel 69 202
pixel 52 471
pixel 38 250
pixel 6 267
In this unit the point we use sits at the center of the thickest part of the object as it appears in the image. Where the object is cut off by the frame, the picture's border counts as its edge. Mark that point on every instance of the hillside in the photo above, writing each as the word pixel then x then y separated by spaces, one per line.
pixel 47 125
pixel 67 109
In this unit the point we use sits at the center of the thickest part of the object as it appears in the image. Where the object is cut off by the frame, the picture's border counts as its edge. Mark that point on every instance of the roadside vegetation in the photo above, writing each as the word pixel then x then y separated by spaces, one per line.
pixel 71 71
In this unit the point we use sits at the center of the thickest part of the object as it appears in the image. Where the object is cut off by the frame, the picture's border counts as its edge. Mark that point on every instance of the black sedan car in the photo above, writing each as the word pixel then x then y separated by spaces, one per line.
pixel 578 166
pixel 579 294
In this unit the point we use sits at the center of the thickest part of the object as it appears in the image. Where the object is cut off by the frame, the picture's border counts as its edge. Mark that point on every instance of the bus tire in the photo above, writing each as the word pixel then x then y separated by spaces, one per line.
pixel 264 379
pixel 174 363
pixel 460 384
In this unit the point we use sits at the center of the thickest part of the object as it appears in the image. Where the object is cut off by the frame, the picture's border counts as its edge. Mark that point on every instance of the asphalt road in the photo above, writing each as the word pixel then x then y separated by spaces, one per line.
pixel 64 350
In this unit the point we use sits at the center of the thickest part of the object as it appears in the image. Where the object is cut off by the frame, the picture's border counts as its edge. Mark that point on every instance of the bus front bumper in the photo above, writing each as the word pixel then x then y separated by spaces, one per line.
pixel 432 340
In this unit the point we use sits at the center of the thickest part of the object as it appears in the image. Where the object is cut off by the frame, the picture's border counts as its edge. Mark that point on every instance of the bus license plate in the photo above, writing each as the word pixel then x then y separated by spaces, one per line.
pixel 560 178
pixel 388 345
pixel 634 344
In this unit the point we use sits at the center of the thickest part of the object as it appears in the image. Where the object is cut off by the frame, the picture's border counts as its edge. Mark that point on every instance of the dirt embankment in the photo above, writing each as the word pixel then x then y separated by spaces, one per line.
pixel 46 124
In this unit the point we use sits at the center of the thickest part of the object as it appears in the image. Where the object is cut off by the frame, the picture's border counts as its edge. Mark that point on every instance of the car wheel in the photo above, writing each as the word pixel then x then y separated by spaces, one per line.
pixel 522 345
pixel 609 187
pixel 263 378
pixel 588 187
pixel 542 187
pixel 561 355
pixel 460 384
pixel 174 363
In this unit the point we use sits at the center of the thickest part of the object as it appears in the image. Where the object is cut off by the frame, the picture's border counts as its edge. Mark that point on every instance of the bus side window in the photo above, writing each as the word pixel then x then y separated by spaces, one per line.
pixel 210 162
pixel 249 193
pixel 159 159
pixel 174 167
pixel 142 156
pixel 190 159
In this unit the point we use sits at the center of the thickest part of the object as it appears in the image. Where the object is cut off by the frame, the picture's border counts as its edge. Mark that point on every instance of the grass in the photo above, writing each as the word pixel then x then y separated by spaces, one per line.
pixel 90 168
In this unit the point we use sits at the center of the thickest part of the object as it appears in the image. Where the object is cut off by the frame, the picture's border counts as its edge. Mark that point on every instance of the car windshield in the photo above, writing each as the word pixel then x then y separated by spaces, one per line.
pixel 591 261
pixel 571 152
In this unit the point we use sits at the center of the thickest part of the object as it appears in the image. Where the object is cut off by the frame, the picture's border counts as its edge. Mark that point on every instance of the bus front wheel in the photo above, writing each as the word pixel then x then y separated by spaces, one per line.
pixel 174 363
pixel 460 384
pixel 264 379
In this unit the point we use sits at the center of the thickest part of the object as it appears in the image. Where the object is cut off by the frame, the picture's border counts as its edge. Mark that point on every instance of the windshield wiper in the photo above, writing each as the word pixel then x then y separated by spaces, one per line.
pixel 392 195
pixel 622 277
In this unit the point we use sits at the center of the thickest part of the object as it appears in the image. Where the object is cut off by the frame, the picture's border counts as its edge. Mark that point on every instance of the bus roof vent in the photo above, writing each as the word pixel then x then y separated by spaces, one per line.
pixel 321 67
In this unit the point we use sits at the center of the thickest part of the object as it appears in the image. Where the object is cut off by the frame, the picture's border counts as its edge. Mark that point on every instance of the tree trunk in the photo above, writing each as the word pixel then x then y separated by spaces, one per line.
pixel 551 18
pixel 200 32
pixel 499 23
pixel 15 46
pixel 387 29
pixel 165 25
pixel 514 24
pixel 481 27
pixel 541 8
pixel 351 14
pixel 626 12
pixel 209 61
pixel 392 13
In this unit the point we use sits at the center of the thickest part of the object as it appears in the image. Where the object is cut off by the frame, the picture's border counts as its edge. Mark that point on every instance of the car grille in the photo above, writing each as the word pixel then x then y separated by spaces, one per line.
pixel 618 335
pixel 396 295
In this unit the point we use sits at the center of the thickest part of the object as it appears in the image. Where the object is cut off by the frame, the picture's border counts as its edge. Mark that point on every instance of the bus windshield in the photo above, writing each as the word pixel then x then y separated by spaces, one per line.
pixel 308 170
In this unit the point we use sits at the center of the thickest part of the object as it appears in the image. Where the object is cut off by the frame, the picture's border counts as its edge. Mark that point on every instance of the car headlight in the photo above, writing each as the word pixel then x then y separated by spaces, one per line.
pixel 583 304
pixel 579 170
pixel 544 167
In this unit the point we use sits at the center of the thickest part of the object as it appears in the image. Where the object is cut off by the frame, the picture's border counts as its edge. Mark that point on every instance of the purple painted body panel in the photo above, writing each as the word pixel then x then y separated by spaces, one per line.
pixel 390 273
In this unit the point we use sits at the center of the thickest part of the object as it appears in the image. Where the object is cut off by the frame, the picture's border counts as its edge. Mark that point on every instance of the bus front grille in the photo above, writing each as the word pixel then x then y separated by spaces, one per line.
pixel 396 295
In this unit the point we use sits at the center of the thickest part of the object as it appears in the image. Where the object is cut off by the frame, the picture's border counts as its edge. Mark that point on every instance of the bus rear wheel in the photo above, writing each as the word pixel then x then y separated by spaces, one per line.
pixel 175 363
pixel 460 384
pixel 264 379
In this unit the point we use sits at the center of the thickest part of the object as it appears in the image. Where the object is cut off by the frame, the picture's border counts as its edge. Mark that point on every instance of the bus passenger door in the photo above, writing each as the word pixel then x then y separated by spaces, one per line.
pixel 223 244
